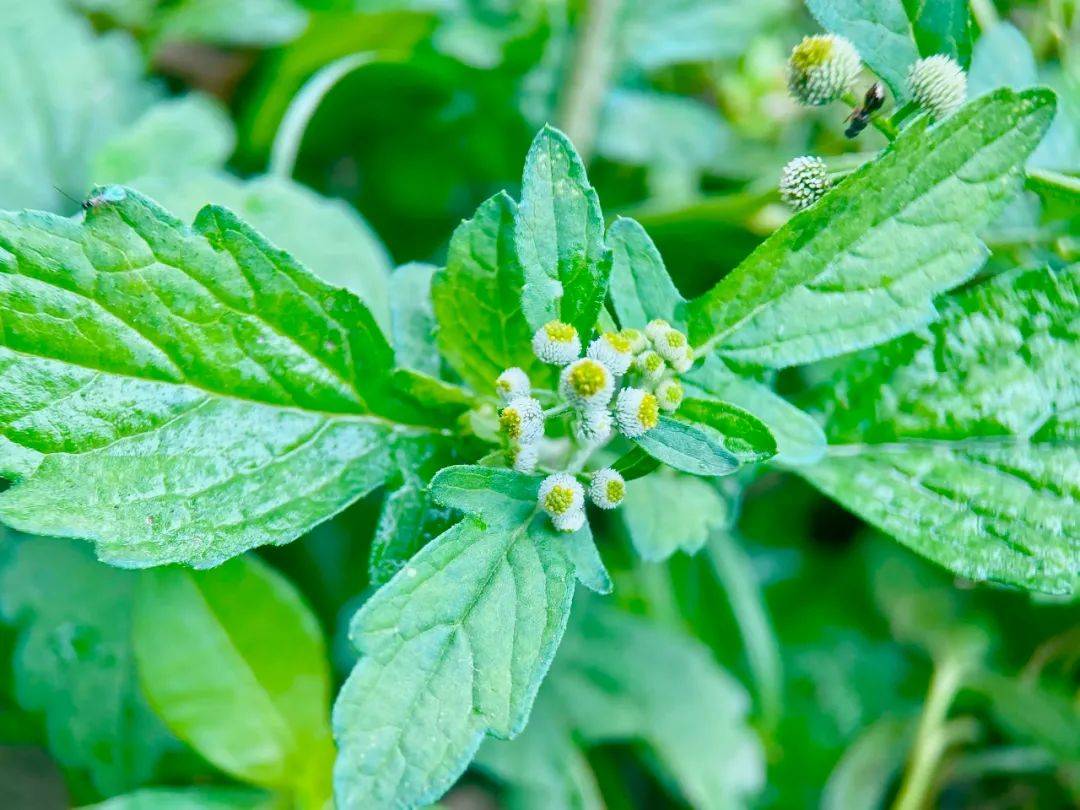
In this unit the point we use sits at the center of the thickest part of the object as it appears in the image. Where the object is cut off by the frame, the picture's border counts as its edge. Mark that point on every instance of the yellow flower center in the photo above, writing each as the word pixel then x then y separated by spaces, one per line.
pixel 510 422
pixel 675 339
pixel 811 53
pixel 618 341
pixel 648 412
pixel 588 378
pixel 616 490
pixel 674 393
pixel 559 332
pixel 559 499
pixel 653 362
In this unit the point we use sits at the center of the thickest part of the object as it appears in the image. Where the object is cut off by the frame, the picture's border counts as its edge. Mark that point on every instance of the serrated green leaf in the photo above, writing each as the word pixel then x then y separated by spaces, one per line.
pixel 881 32
pixel 962 440
pixel 63 93
pixel 688 448
pixel 477 300
pixel 799 438
pixel 740 432
pixel 455 645
pixel 166 387
pixel 559 236
pixel 641 288
pixel 942 26
pixel 74 662
pixel 666 512
pixel 327 236
pixel 234 662
pixel 864 264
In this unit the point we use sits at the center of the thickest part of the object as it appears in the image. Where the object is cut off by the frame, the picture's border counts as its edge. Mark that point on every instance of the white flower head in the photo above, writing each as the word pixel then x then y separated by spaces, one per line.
pixel 669 394
pixel 938 84
pixel 563 498
pixel 525 457
pixel 593 425
pixel 638 341
pixel 804 181
pixel 522 420
pixel 614 350
pixel 557 343
pixel 636 412
pixel 655 328
pixel 684 363
pixel 671 344
pixel 650 365
pixel 587 383
pixel 607 488
pixel 822 68
pixel 511 384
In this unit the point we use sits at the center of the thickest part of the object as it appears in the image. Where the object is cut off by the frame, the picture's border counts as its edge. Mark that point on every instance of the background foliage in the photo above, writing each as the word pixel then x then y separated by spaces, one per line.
pixel 763 645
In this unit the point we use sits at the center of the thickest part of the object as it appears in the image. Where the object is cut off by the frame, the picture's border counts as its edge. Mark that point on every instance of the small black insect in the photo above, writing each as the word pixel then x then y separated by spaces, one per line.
pixel 860 116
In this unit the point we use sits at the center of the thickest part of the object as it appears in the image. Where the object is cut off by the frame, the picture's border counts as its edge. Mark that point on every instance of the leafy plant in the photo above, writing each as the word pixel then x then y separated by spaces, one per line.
pixel 543 406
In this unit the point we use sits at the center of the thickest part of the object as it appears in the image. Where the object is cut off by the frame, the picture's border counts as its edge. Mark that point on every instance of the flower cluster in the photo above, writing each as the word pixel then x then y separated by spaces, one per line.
pixel 623 382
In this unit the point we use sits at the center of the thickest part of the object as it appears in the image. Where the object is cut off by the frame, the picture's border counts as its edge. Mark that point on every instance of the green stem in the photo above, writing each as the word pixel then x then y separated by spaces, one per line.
pixel 932 738
pixel 986 16
pixel 587 81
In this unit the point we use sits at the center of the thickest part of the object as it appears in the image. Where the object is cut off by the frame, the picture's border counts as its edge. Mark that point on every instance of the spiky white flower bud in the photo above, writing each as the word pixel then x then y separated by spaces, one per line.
pixel 650 365
pixel 525 457
pixel 563 498
pixel 511 384
pixel 607 488
pixel 804 181
pixel 671 345
pixel 938 84
pixel 669 394
pixel 655 328
pixel 593 425
pixel 613 350
pixel 522 420
pixel 557 343
pixel 586 383
pixel 637 339
pixel 636 412
pixel 822 68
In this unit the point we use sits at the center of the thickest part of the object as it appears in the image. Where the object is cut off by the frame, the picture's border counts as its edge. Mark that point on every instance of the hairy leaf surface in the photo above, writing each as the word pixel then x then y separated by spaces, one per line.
pixel 560 237
pixel 641 288
pixel 184 394
pixel 864 264
pixel 963 440
pixel 455 645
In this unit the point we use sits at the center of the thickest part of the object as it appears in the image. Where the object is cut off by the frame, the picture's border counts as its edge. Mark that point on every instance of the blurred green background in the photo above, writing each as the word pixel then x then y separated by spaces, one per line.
pixel 357 134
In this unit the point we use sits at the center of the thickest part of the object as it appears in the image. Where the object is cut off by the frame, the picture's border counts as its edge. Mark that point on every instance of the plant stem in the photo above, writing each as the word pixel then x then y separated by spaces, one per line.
pixel 986 16
pixel 556 410
pixel 587 81
pixel 932 738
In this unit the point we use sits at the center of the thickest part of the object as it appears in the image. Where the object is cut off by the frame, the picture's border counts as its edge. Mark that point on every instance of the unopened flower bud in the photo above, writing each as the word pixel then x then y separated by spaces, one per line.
pixel 593 426
pixel 938 84
pixel 636 412
pixel 669 394
pixel 803 181
pixel 522 420
pixel 525 457
pixel 650 365
pixel 671 345
pixel 557 343
pixel 822 68
pixel 637 339
pixel 655 328
pixel 563 498
pixel 511 384
pixel 613 350
pixel 607 488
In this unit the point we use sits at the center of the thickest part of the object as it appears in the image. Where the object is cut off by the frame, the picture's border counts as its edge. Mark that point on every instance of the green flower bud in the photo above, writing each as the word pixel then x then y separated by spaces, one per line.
pixel 803 181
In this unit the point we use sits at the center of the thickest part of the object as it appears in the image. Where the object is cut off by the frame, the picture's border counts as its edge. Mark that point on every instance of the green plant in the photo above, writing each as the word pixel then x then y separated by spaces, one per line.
pixel 181 395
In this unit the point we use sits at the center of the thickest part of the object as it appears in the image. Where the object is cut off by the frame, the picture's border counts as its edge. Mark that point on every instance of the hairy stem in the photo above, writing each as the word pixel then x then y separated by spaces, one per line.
pixel 587 81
